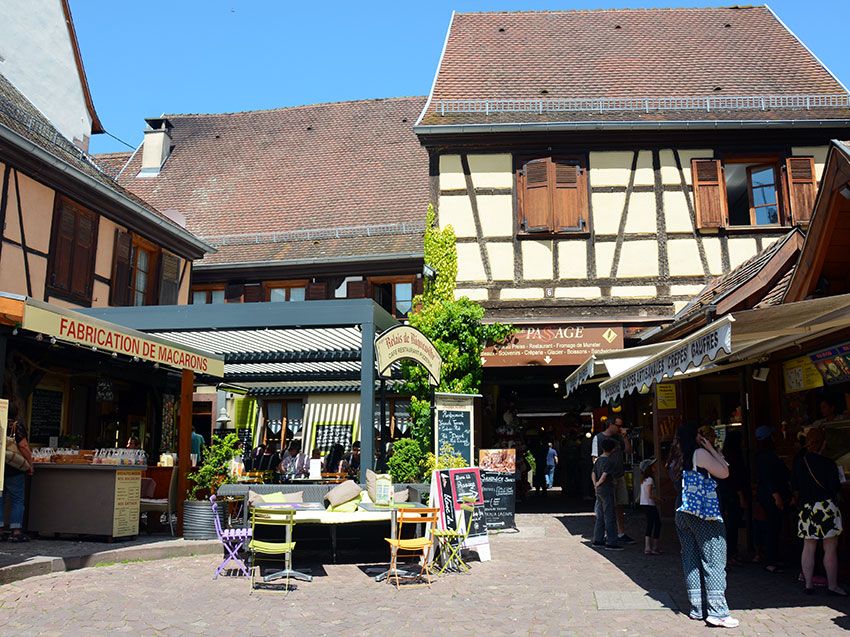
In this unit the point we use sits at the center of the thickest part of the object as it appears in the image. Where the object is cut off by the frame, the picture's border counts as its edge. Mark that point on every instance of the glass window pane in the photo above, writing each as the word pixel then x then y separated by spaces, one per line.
pixel 762 177
pixel 218 296
pixel 296 294
pixel 294 418
pixel 403 296
pixel 767 215
pixel 199 297
pixel 277 295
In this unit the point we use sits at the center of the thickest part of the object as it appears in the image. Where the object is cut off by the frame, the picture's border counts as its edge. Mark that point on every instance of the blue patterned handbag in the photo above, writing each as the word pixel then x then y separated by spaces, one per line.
pixel 699 494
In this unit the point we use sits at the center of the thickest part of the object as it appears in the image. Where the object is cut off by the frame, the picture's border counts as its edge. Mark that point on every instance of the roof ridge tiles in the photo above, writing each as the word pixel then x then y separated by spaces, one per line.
pixel 614 10
pixel 299 106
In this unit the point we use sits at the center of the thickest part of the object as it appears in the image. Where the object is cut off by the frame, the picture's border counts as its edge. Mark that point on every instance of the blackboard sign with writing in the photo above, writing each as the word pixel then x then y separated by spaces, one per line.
pixel 454 428
pixel 499 499
pixel 45 415
pixel 466 485
pixel 328 434
pixel 479 522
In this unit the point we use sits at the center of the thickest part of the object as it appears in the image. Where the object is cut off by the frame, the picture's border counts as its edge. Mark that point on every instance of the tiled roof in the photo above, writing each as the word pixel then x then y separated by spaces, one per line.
pixel 774 296
pixel 629 53
pixel 320 166
pixel 112 163
pixel 21 116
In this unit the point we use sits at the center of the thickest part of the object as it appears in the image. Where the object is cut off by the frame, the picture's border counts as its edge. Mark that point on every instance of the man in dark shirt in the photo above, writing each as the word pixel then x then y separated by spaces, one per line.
pixel 616 431
pixel 605 527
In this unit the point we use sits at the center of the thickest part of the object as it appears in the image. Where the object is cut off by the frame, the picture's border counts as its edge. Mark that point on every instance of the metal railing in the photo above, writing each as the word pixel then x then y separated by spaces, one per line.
pixel 344 232
pixel 642 104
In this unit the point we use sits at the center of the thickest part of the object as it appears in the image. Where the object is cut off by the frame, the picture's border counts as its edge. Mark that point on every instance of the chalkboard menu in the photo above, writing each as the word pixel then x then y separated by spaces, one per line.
pixel 499 499
pixel 45 415
pixel 454 425
pixel 326 435
pixel 466 485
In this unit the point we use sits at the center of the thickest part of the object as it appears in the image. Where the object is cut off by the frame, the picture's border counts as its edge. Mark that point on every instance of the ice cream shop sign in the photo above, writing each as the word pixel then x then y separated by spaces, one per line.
pixel 559 344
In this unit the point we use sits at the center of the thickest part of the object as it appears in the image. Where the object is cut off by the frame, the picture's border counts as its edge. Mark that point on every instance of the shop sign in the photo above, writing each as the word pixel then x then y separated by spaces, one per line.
pixel 125 511
pixel 665 395
pixel 106 336
pixel 404 342
pixel 833 364
pixel 801 374
pixel 706 344
pixel 553 344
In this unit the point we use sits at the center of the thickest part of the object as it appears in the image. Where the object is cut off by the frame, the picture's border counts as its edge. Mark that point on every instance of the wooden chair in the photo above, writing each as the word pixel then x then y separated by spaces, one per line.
pixel 414 547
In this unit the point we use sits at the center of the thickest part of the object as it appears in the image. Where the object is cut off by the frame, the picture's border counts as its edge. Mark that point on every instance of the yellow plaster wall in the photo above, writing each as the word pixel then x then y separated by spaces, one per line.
pixel 470 266
pixel 633 291
pixel 604 258
pixel 572 259
pixel 537 260
pixel 685 290
pixel 491 171
pixel 669 171
pixel 501 256
pixel 607 211
pixel 683 257
pixel 610 168
pixel 741 249
pixel 638 259
pixel 642 213
pixel 37 207
pixel 588 292
pixel 100 294
pixel 12 274
pixel 677 216
pixel 644 175
pixel 713 254
pixel 474 294
pixel 496 213
pixel 105 247
pixel 818 152
pixel 520 294
pixel 451 173
pixel 456 210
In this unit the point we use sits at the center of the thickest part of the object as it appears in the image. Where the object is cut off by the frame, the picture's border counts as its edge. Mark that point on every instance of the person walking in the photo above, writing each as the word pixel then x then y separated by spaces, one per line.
pixel 616 431
pixel 15 480
pixel 703 541
pixel 551 463
pixel 605 528
pixel 773 494
pixel 649 506
pixel 817 485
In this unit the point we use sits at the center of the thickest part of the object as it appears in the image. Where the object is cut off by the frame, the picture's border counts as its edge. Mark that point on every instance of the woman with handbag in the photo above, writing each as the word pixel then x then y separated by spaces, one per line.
pixel 18 464
pixel 817 484
pixel 701 531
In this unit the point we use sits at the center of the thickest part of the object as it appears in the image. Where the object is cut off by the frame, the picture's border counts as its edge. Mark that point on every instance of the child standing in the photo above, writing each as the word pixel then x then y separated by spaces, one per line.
pixel 605 529
pixel 649 506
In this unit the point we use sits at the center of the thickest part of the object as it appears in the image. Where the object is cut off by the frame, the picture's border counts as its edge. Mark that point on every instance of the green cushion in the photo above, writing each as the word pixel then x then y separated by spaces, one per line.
pixel 346 507
pixel 283 498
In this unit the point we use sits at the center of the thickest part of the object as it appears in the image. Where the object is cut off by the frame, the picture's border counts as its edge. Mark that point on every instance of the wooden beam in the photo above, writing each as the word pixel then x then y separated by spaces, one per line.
pixel 184 444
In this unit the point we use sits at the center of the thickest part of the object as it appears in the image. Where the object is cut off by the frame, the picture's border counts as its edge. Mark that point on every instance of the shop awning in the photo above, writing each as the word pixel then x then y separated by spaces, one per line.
pixel 606 364
pixel 734 339
pixel 69 326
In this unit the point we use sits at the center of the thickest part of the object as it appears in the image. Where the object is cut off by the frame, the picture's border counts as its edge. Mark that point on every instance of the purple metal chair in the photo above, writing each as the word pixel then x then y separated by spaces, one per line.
pixel 233 540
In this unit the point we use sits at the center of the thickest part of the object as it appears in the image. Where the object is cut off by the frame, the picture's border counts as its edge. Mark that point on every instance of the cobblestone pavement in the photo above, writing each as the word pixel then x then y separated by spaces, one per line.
pixel 544 580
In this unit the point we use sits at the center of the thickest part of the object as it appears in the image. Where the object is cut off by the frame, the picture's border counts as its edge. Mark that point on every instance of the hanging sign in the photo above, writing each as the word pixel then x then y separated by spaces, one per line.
pixel 74 328
pixel 453 424
pixel 705 345
pixel 801 374
pixel 552 344
pixel 404 342
pixel 833 364
pixel 665 395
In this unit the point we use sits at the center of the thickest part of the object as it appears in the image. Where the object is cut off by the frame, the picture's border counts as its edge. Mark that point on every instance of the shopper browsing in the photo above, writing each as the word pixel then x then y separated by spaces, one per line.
pixel 605 529
pixel 649 506
pixel 617 432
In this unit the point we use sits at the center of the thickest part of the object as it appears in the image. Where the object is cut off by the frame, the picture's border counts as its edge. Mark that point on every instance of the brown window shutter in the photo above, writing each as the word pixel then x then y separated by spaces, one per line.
pixel 316 291
pixel 536 214
pixel 417 286
pixel 63 248
pixel 569 196
pixel 169 279
pixel 709 193
pixel 355 290
pixel 233 292
pixel 253 293
pixel 802 187
pixel 85 245
pixel 119 294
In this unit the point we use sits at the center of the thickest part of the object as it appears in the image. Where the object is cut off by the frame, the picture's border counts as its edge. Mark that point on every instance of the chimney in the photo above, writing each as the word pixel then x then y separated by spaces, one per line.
pixel 156 147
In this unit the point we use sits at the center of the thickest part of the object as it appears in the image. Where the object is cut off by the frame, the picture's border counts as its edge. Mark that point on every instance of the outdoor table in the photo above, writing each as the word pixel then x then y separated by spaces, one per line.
pixel 393 509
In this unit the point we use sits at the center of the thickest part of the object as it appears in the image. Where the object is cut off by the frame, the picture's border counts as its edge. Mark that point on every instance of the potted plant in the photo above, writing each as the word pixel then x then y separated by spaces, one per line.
pixel 214 470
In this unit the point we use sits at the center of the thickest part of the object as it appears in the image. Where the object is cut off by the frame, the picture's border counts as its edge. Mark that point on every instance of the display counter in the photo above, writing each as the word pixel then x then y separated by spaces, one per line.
pixel 79 499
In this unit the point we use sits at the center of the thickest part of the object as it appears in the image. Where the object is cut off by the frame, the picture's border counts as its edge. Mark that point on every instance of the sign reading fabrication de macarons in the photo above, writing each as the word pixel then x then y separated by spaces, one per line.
pixel 73 328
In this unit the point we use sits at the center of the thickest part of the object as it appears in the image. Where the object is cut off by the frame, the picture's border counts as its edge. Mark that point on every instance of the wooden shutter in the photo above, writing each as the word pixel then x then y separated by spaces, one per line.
pixel 63 248
pixel 709 193
pixel 233 292
pixel 355 289
pixel 418 286
pixel 569 197
pixel 253 293
pixel 802 187
pixel 85 246
pixel 169 279
pixel 536 200
pixel 119 293
pixel 316 291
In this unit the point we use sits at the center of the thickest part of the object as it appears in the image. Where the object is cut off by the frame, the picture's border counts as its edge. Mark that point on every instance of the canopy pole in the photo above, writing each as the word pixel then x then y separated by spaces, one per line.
pixel 184 442
pixel 367 399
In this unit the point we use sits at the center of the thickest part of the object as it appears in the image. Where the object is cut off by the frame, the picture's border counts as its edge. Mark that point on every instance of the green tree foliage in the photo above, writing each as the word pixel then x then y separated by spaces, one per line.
pixel 454 327
pixel 406 463
pixel 448 459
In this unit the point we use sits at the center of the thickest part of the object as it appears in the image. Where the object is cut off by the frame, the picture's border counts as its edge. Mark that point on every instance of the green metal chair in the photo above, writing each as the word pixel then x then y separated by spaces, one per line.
pixel 274 550
pixel 451 542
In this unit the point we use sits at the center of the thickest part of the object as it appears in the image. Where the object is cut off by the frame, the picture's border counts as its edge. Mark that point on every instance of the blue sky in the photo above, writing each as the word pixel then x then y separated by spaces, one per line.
pixel 208 56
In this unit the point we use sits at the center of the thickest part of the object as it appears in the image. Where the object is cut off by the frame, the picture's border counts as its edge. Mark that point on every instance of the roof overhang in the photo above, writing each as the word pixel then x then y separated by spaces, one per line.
pixel 736 338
